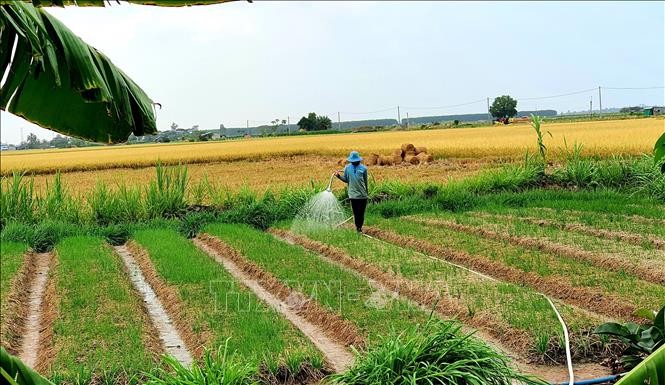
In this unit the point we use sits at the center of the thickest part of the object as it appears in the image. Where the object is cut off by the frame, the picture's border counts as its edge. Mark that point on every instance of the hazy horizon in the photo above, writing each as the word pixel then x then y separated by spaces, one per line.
pixel 238 61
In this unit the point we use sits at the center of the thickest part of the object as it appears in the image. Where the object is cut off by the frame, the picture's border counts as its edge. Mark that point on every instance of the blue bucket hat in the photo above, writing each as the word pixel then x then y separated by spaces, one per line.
pixel 354 156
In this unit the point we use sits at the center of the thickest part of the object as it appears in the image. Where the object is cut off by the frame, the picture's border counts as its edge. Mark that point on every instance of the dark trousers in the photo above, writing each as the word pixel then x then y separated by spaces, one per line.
pixel 358 206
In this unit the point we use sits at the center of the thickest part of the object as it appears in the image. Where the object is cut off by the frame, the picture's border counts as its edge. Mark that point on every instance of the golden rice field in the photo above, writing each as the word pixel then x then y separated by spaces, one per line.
pixel 601 138
pixel 259 176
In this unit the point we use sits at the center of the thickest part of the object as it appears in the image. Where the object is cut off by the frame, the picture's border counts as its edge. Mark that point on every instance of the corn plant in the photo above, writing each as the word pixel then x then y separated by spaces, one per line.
pixel 542 149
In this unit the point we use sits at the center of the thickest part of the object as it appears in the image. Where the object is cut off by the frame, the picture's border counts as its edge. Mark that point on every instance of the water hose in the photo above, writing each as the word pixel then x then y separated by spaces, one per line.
pixel 329 189
pixel 599 380
pixel 344 221
pixel 569 359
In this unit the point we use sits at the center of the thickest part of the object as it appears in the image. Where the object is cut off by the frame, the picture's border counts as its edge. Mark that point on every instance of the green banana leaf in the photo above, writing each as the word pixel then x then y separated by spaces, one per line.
pixel 59 82
pixel 651 371
pixel 102 3
pixel 15 372
pixel 659 151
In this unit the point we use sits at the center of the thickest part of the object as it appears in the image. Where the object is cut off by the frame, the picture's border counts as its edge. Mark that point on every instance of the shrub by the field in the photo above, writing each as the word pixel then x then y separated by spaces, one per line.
pixel 116 234
pixel 41 236
pixel 437 351
pixel 192 222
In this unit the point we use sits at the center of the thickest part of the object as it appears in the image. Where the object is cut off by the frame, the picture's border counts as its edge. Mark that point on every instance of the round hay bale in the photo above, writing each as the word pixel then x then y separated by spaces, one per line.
pixel 371 160
pixel 406 147
pixel 424 157
pixel 409 153
pixel 386 160
pixel 420 150
pixel 413 159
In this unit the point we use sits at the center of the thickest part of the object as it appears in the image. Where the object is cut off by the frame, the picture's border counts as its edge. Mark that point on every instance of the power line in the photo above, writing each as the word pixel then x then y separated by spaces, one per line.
pixel 368 112
pixel 449 106
pixel 634 88
pixel 560 95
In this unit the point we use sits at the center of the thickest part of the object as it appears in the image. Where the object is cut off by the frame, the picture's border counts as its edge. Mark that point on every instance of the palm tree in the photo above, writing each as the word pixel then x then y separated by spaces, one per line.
pixel 57 81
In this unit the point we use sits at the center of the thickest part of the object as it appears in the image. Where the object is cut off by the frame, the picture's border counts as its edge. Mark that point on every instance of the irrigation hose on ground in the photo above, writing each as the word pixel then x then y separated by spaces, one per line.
pixel 344 221
pixel 569 360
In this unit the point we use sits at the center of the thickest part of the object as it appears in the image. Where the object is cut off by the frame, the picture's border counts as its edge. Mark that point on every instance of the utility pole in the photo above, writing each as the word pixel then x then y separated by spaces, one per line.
pixel 489 115
pixel 408 122
pixel 339 122
pixel 399 117
pixel 591 107
pixel 288 124
pixel 600 103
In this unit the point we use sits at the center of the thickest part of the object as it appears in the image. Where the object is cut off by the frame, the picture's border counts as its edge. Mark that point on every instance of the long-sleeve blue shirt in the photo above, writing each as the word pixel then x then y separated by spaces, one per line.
pixel 356 177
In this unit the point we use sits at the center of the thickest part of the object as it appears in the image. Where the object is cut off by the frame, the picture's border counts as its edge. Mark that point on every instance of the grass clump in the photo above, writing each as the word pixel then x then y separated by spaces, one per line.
pixel 215 369
pixel 434 353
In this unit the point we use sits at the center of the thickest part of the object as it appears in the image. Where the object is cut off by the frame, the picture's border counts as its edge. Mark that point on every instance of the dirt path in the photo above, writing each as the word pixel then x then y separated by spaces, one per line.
pixel 30 341
pixel 335 353
pixel 646 270
pixel 168 334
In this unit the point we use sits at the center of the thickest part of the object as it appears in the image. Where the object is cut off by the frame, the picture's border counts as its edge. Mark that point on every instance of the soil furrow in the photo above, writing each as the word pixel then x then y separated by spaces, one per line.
pixel 177 320
pixel 627 217
pixel 505 337
pixel 22 324
pixel 615 235
pixel 171 342
pixel 329 333
pixel 558 287
pixel 49 313
pixel 645 270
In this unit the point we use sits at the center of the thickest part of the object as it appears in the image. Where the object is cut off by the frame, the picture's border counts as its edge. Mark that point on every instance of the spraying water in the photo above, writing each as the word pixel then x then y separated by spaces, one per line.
pixel 322 212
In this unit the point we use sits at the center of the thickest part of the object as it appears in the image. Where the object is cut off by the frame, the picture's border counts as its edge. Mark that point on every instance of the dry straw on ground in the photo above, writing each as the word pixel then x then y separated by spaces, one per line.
pixel 555 286
pixel 646 270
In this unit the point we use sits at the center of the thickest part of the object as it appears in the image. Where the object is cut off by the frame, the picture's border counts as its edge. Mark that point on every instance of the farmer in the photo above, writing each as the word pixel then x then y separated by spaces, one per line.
pixel 355 174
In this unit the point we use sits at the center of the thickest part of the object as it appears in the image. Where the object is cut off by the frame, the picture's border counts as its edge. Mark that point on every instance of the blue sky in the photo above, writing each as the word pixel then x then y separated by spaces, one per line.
pixel 232 62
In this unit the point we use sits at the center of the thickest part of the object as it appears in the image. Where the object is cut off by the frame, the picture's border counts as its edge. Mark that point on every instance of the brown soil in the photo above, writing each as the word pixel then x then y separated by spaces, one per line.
pixel 170 299
pixel 49 313
pixel 554 286
pixel 510 339
pixel 512 342
pixel 616 235
pixel 164 337
pixel 645 270
pixel 628 218
pixel 330 333
pixel 554 374
pixel 21 324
